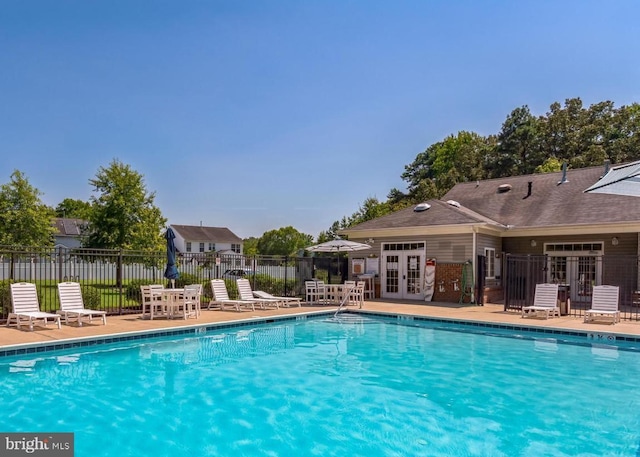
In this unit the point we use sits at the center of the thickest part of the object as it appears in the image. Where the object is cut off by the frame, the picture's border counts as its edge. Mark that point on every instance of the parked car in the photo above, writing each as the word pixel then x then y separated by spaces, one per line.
pixel 237 273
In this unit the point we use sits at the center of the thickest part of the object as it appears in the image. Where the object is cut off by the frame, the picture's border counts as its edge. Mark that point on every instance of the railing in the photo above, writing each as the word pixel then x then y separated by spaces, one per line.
pixel 111 279
pixel 576 276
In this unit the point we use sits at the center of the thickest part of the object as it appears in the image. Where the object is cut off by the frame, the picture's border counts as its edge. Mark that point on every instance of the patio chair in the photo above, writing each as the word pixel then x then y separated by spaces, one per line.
pixel 349 290
pixel 72 306
pixel 604 305
pixel 545 302
pixel 315 292
pixel 25 307
pixel 152 303
pixel 192 298
pixel 221 297
pixel 245 292
pixel 357 294
pixel 285 301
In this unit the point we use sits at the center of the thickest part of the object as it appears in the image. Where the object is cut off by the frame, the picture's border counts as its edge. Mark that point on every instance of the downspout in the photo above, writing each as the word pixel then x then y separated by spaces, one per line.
pixel 474 257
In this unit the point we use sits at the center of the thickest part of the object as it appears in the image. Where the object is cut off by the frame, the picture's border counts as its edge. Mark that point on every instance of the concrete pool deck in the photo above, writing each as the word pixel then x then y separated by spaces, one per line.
pixel 133 323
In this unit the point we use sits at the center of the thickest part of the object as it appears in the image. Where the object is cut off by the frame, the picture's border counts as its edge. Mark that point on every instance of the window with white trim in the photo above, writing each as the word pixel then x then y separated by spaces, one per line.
pixel 490 256
pixel 188 246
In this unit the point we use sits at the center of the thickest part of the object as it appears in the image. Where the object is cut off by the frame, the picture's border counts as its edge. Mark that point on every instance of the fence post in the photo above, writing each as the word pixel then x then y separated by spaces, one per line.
pixel 59 263
pixel 286 270
pixel 119 279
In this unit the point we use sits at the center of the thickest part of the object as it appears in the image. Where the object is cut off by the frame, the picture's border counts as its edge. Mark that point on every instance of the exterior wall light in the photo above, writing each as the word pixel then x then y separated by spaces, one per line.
pixel 533 243
pixel 615 241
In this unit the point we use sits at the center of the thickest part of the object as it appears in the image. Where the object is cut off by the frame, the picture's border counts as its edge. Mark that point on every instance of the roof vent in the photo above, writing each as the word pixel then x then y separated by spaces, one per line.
pixel 564 174
pixel 421 207
pixel 453 203
pixel 502 188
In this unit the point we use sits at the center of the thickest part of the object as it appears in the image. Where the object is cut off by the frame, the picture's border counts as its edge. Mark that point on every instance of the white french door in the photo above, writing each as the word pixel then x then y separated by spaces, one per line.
pixel 577 265
pixel 403 272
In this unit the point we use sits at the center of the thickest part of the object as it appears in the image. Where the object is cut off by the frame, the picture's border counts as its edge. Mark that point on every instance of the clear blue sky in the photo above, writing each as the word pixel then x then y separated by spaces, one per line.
pixel 255 115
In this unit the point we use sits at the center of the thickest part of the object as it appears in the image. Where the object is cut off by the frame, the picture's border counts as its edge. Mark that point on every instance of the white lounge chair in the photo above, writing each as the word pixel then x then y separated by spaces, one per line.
pixel 604 305
pixel 72 307
pixel 245 292
pixel 286 301
pixel 221 297
pixel 25 307
pixel 545 302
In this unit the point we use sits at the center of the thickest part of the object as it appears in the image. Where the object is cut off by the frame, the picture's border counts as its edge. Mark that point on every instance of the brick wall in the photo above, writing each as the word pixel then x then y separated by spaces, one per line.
pixel 448 276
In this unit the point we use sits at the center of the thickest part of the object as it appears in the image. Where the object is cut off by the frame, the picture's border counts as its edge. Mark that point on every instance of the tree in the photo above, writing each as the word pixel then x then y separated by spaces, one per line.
pixel 285 241
pixel 370 209
pixel 124 214
pixel 456 159
pixel 622 134
pixel 24 219
pixel 550 165
pixel 73 208
pixel 250 246
pixel 517 148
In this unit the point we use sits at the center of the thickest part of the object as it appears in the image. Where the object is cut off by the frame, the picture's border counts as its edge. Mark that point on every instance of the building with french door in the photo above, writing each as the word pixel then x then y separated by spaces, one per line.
pixel 571 219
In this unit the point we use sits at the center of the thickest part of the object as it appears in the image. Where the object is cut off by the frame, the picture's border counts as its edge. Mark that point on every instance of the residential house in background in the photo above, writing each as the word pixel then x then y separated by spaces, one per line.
pixel 68 232
pixel 558 218
pixel 196 239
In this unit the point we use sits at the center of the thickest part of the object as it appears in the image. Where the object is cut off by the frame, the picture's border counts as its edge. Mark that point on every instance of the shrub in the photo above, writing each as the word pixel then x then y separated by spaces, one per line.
pixel 132 291
pixel 5 296
pixel 185 279
pixel 91 297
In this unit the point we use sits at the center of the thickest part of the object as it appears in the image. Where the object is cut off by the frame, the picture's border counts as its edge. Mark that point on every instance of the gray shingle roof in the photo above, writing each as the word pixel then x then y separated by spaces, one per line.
pixel 66 226
pixel 550 204
pixel 440 213
pixel 206 234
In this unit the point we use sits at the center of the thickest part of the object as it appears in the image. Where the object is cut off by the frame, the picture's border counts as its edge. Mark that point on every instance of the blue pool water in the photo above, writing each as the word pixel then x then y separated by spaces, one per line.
pixel 319 388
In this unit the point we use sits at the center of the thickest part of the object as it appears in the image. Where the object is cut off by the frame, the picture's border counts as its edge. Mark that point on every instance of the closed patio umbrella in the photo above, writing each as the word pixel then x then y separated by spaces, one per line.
pixel 171 272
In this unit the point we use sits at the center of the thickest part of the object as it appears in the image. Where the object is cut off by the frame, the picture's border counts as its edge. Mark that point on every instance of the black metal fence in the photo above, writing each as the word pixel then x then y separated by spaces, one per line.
pixel 111 279
pixel 576 276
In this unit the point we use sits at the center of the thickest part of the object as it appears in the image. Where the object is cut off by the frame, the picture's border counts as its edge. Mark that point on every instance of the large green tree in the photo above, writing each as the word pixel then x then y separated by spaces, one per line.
pixel 250 246
pixel 456 159
pixel 517 149
pixel 24 219
pixel 283 241
pixel 123 211
pixel 73 208
pixel 371 208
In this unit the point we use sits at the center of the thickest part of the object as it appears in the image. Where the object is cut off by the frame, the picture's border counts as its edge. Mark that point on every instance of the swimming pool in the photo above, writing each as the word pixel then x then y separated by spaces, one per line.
pixel 363 387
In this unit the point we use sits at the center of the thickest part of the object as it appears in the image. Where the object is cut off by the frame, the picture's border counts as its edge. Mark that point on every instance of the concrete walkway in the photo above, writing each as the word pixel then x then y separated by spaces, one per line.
pixel 128 324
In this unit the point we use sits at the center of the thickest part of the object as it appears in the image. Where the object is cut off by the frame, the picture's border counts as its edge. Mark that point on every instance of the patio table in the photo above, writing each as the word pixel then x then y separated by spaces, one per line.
pixel 172 301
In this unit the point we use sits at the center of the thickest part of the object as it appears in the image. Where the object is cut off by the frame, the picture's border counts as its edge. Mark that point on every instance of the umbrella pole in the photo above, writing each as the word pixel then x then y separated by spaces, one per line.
pixel 173 283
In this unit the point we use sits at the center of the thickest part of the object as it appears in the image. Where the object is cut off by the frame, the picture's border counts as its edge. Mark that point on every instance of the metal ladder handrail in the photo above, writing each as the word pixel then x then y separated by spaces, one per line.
pixel 345 299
